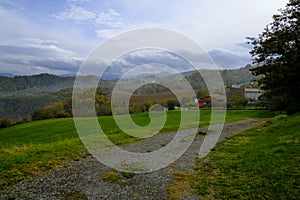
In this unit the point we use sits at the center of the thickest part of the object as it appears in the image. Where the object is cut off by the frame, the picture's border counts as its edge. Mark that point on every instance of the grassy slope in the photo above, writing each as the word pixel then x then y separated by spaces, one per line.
pixel 29 148
pixel 258 164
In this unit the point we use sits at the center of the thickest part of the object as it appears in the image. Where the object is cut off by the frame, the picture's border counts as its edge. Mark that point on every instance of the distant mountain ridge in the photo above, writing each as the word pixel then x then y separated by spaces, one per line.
pixel 21 95
pixel 20 85
pixel 34 84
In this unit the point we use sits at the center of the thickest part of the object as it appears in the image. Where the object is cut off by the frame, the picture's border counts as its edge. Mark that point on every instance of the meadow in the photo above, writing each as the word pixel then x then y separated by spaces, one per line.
pixel 30 148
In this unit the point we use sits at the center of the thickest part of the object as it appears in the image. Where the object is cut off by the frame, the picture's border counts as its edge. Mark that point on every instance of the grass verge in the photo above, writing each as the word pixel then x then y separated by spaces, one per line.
pixel 262 163
pixel 180 186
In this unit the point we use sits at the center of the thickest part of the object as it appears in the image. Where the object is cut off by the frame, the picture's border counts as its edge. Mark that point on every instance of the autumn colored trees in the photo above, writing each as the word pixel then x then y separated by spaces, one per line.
pixel 56 110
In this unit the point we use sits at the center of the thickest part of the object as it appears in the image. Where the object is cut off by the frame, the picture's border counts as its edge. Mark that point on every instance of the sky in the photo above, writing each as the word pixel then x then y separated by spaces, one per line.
pixel 56 36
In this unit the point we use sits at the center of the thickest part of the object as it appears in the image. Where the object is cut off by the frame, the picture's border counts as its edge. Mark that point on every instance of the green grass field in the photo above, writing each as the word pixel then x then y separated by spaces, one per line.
pixel 29 148
pixel 258 164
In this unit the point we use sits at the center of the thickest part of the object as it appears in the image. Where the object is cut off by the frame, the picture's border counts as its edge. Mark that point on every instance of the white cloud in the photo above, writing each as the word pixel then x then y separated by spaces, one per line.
pixel 50 45
pixel 216 24
pixel 213 24
pixel 35 49
pixel 31 55
pixel 110 18
pixel 107 33
pixel 225 58
pixel 42 47
pixel 55 64
pixel 77 14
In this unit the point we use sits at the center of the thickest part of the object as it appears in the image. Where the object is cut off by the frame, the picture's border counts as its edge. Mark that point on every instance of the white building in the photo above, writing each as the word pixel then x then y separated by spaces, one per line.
pixel 253 93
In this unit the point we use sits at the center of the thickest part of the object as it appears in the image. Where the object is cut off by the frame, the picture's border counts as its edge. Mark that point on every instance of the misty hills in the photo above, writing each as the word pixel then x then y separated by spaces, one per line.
pixel 21 95
pixel 21 85
pixel 28 85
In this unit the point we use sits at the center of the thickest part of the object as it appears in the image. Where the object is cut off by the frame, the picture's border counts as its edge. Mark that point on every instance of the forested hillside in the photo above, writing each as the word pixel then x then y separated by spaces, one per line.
pixel 22 106
pixel 20 96
pixel 33 84
pixel 237 76
pixel 19 85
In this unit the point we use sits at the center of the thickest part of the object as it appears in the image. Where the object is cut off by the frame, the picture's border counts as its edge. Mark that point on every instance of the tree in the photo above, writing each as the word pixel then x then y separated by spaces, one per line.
pixel 6 123
pixel 201 93
pixel 56 108
pixel 105 109
pixel 137 108
pixel 148 105
pixel 172 103
pixel 38 115
pixel 276 53
pixel 238 98
pixel 62 114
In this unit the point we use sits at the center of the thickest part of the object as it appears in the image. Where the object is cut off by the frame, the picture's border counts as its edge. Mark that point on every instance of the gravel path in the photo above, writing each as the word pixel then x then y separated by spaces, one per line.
pixel 89 179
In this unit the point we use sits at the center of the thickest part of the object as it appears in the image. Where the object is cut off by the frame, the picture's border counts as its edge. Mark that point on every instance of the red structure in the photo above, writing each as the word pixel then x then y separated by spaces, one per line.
pixel 205 102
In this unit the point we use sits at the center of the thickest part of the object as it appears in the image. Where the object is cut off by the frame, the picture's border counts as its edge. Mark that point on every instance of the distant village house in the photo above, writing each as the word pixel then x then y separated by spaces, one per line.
pixel 253 93
pixel 205 102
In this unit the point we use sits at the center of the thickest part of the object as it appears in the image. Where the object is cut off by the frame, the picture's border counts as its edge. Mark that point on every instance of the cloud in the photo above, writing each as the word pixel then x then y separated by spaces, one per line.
pixel 23 69
pixel 27 47
pixel 225 59
pixel 245 45
pixel 111 18
pixel 35 53
pixel 35 47
pixel 34 65
pixel 76 14
pixel 108 33
pixel 70 64
pixel 37 33
pixel 150 58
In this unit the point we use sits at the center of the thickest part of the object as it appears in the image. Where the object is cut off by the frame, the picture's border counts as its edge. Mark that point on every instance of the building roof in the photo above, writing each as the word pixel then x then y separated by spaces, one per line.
pixel 218 97
pixel 254 90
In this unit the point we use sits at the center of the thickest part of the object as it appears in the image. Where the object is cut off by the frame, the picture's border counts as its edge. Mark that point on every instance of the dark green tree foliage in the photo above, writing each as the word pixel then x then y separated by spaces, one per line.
pixel 6 123
pixel 276 53
pixel 22 106
pixel 171 104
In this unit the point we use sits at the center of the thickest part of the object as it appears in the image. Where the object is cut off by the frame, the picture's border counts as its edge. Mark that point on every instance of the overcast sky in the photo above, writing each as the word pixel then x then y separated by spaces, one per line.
pixel 42 36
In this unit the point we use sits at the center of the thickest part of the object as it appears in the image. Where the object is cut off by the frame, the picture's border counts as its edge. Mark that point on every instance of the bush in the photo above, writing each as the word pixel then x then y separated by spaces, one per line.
pixel 41 114
pixel 6 123
pixel 171 104
pixel 62 114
